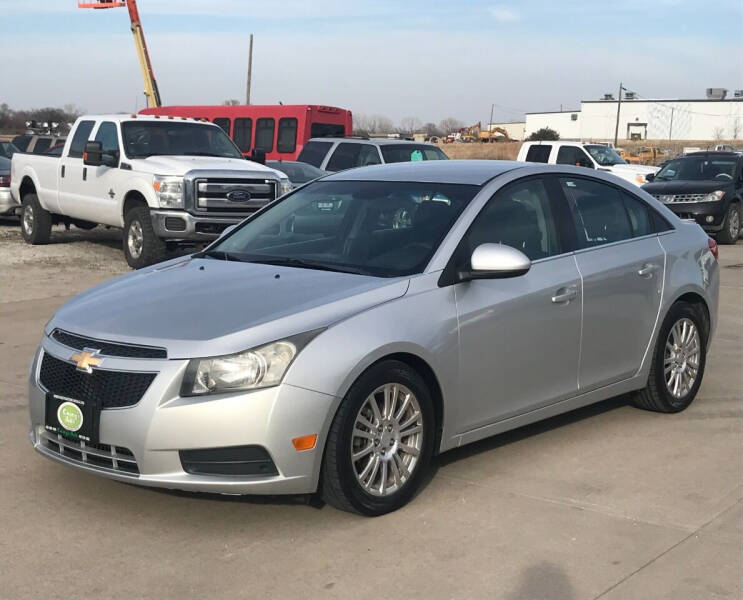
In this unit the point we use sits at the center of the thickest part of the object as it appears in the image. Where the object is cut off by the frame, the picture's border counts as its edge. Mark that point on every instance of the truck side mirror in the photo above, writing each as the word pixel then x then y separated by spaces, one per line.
pixel 649 177
pixel 93 154
pixel 258 156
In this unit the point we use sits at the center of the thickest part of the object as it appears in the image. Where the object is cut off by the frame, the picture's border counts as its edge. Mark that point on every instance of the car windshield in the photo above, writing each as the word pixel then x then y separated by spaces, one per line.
pixel 394 153
pixel 7 149
pixel 698 168
pixel 604 155
pixel 377 228
pixel 296 172
pixel 171 138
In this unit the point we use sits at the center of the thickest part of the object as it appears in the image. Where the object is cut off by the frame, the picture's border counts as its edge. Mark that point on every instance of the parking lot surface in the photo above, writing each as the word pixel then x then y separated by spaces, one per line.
pixel 606 502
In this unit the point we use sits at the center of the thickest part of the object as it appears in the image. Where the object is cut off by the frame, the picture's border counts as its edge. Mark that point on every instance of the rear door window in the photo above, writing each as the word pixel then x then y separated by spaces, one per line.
pixel 539 153
pixel 599 212
pixel 244 134
pixel 572 155
pixel 287 140
pixel 82 133
pixel 348 156
pixel 411 153
pixel 314 153
pixel 224 123
pixel 264 134
pixel 42 145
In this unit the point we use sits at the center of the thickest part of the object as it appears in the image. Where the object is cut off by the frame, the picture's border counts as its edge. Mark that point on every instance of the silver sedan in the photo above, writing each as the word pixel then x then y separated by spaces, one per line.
pixel 342 336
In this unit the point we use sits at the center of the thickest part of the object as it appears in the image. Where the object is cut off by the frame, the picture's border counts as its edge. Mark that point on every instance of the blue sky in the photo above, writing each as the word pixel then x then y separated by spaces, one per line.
pixel 430 59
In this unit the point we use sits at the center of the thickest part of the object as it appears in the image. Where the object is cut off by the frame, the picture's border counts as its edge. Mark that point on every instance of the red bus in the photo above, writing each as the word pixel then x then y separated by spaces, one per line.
pixel 279 130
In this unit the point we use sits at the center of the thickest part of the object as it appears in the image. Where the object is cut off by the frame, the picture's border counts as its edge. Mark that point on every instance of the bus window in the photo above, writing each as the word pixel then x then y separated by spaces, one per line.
pixel 224 123
pixel 287 140
pixel 243 134
pixel 264 134
pixel 327 130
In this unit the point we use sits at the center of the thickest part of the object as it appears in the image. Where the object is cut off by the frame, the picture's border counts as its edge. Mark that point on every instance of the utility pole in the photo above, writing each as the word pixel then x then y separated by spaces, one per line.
pixel 619 104
pixel 670 127
pixel 490 128
pixel 250 70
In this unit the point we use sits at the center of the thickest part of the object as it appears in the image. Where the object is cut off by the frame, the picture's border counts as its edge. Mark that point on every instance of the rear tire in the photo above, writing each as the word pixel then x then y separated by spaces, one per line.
pixel 141 246
pixel 383 435
pixel 730 226
pixel 668 390
pixel 36 223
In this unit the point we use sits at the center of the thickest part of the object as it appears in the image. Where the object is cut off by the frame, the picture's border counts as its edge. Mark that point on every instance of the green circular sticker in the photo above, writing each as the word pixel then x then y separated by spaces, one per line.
pixel 70 416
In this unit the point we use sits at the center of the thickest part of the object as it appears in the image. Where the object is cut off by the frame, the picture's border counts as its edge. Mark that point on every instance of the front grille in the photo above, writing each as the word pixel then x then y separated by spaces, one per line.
pixel 108 348
pixel 212 195
pixel 678 198
pixel 104 456
pixel 113 389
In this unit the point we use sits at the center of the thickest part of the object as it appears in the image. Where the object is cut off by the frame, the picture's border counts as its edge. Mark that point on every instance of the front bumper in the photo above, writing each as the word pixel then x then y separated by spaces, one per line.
pixel 181 225
pixel 8 205
pixel 709 215
pixel 162 423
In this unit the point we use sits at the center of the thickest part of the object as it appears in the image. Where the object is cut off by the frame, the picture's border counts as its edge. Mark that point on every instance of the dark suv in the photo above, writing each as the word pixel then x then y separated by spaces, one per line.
pixel 706 187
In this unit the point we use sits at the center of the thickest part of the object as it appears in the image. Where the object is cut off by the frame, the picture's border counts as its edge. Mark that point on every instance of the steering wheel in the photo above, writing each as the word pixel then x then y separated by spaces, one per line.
pixel 723 176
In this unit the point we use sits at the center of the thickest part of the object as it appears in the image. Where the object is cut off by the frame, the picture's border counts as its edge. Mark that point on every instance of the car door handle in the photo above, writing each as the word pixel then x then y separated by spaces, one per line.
pixel 647 270
pixel 565 294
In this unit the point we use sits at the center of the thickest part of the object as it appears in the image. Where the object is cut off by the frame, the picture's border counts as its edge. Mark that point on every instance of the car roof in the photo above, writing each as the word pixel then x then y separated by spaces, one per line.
pixel 472 172
pixel 120 117
pixel 365 140
pixel 718 153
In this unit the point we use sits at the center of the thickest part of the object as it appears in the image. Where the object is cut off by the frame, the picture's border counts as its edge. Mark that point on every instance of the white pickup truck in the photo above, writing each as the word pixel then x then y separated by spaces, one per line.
pixel 591 156
pixel 165 181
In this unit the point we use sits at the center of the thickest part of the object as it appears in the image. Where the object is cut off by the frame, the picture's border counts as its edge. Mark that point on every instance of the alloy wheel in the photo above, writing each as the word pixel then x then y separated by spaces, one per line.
pixel 734 225
pixel 135 239
pixel 681 358
pixel 387 439
pixel 28 219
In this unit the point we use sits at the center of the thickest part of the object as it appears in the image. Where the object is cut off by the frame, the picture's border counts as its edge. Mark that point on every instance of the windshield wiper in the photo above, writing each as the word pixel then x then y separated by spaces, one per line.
pixel 307 264
pixel 220 255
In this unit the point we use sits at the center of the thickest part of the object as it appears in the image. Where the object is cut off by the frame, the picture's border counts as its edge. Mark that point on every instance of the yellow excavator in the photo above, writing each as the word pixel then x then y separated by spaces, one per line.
pixel 150 85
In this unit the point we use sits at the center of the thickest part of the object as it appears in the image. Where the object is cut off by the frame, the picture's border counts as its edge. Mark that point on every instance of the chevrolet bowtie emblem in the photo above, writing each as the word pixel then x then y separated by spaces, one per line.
pixel 86 359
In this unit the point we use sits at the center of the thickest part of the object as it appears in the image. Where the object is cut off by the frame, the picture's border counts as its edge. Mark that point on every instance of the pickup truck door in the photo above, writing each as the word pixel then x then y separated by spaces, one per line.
pixel 101 192
pixel 73 173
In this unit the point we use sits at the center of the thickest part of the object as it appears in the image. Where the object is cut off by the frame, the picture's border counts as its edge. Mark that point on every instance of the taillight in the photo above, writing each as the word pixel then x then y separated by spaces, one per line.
pixel 712 245
pixel 4 180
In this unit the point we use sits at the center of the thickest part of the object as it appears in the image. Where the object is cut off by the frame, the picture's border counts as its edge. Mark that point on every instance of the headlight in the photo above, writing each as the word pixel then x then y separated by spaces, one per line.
pixel 714 196
pixel 254 369
pixel 169 191
pixel 285 186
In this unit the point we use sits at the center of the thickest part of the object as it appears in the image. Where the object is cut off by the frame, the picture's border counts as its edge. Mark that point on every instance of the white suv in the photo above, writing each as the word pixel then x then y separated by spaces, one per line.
pixel 578 154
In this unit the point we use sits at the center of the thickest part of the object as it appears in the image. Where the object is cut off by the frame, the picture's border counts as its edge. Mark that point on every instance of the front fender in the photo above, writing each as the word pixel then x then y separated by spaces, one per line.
pixel 142 185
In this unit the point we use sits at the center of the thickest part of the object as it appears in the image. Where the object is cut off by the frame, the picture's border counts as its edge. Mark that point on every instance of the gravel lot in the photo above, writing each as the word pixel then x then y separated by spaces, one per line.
pixel 607 502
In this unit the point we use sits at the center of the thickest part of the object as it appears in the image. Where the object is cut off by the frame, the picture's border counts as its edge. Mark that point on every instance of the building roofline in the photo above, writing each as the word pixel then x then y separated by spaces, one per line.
pixel 664 100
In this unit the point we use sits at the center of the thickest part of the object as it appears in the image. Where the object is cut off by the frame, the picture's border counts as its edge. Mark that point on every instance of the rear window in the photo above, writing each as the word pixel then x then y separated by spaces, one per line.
pixel 411 153
pixel 539 153
pixel 313 153
pixel 82 133
pixel 42 145
pixel 21 142
pixel 287 141
pixel 327 130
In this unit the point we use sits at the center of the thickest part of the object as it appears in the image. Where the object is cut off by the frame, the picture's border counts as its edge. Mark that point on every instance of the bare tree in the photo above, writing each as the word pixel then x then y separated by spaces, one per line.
pixel 718 134
pixel 366 124
pixel 410 125
pixel 736 128
pixel 449 125
pixel 431 129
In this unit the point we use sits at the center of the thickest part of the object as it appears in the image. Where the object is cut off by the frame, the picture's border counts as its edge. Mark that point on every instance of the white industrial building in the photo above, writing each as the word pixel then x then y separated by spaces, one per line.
pixel 698 119
pixel 514 129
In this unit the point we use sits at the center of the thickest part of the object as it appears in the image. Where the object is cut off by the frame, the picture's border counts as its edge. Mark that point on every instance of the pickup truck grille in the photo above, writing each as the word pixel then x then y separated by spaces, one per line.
pixel 678 198
pixel 233 196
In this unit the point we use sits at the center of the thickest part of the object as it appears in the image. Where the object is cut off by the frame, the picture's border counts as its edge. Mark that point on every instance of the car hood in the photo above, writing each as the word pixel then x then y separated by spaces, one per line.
pixel 685 187
pixel 633 169
pixel 206 307
pixel 180 165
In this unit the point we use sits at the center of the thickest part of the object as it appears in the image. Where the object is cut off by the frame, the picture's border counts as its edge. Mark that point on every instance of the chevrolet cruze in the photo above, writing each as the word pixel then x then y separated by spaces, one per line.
pixel 339 338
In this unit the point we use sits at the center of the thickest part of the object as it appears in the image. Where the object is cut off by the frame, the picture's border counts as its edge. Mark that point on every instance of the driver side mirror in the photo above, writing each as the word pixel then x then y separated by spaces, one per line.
pixel 649 177
pixel 258 156
pixel 496 261
pixel 94 156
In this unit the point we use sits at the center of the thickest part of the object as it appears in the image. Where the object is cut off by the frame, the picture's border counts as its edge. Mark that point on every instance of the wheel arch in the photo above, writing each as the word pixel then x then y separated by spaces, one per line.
pixel 132 199
pixel 28 186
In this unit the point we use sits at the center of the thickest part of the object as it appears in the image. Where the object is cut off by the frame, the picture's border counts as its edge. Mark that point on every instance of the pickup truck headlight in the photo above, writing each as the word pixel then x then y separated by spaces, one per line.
pixel 253 369
pixel 713 196
pixel 285 186
pixel 169 191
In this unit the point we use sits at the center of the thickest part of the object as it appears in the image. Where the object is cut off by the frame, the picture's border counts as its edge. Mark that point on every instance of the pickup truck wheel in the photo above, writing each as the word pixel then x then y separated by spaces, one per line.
pixel 141 246
pixel 36 223
pixel 731 227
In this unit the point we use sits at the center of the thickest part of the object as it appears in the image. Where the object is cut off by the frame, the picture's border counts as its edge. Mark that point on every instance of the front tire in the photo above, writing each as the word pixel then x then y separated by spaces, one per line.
pixel 731 226
pixel 141 246
pixel 381 441
pixel 678 363
pixel 36 223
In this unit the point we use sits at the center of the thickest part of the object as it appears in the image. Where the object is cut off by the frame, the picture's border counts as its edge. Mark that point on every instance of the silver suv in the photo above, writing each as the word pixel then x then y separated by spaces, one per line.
pixel 339 154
